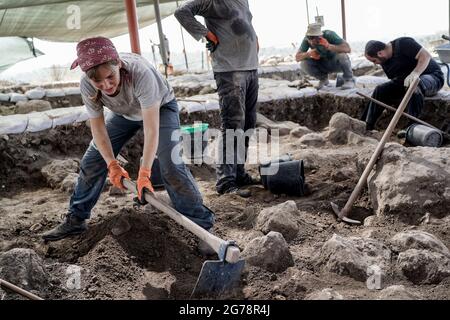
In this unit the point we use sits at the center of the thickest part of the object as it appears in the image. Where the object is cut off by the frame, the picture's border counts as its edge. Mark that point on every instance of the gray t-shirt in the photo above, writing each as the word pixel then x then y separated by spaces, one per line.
pixel 146 88
pixel 231 22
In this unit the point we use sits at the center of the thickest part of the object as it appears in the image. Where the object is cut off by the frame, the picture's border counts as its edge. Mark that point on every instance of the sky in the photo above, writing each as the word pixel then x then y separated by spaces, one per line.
pixel 283 23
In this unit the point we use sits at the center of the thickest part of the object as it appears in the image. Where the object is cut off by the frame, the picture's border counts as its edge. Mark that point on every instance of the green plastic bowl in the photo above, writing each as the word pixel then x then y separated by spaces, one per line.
pixel 198 127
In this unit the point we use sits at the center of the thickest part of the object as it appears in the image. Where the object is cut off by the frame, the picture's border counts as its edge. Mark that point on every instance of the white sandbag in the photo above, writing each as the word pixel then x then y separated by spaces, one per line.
pixel 35 94
pixel 55 93
pixel 16 97
pixel 4 97
pixel 16 123
pixel 38 121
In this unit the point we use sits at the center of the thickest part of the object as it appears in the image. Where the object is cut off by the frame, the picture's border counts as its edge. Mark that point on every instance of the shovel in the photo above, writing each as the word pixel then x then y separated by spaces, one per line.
pixel 216 277
pixel 343 214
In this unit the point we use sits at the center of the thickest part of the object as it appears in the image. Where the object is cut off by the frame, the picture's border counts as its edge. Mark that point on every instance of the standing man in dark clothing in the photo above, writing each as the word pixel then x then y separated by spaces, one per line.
pixel 233 44
pixel 403 60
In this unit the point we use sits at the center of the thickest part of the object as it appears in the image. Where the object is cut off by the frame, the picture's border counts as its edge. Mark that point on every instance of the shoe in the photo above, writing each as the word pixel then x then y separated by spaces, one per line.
pixel 348 84
pixel 401 134
pixel 204 248
pixel 323 83
pixel 248 180
pixel 243 193
pixel 71 225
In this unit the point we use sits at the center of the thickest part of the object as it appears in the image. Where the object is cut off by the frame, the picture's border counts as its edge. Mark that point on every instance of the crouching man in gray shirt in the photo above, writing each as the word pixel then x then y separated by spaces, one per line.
pixel 234 47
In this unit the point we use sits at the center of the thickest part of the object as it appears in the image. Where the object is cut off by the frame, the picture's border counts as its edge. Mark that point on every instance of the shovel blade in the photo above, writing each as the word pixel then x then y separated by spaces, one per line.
pixel 217 278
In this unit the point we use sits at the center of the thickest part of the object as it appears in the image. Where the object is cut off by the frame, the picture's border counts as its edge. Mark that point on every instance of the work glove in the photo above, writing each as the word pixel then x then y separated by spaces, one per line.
pixel 324 42
pixel 411 78
pixel 143 182
pixel 314 54
pixel 213 42
pixel 116 173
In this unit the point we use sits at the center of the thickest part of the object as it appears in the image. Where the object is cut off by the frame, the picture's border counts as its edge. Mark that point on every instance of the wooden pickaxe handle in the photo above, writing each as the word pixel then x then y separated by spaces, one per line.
pixel 363 180
pixel 233 252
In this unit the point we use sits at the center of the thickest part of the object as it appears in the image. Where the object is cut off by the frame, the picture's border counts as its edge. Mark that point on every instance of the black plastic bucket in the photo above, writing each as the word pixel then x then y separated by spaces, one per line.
pixel 287 178
pixel 424 136
pixel 265 166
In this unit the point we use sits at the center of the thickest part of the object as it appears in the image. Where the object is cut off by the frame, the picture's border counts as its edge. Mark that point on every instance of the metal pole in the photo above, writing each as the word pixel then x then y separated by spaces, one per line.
pixel 162 47
pixel 307 11
pixel 184 46
pixel 344 24
pixel 133 27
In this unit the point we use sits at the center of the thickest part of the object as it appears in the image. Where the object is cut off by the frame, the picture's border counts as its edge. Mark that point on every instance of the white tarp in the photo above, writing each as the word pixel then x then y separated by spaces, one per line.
pixel 72 21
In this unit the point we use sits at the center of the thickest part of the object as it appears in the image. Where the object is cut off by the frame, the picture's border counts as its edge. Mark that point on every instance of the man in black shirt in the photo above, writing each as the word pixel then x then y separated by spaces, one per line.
pixel 403 60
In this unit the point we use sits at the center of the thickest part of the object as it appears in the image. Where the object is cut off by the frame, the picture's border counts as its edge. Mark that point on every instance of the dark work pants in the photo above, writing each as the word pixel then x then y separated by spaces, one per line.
pixel 238 95
pixel 393 92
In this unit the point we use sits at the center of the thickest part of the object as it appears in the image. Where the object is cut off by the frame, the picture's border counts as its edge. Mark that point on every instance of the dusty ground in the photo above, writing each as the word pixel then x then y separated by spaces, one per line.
pixel 157 259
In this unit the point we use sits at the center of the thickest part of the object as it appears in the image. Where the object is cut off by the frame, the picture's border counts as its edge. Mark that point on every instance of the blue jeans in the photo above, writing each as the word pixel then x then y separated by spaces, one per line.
pixel 177 178
pixel 238 95
pixel 320 69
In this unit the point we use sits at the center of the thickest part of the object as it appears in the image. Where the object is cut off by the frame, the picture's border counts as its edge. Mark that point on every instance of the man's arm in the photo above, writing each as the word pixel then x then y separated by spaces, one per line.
pixel 101 138
pixel 300 56
pixel 341 48
pixel 423 60
pixel 151 135
pixel 186 13
pixel 302 53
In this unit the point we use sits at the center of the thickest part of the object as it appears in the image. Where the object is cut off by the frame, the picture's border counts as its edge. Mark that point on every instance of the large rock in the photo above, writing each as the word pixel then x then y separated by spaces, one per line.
pixel 340 125
pixel 58 170
pixel 398 293
pixel 353 256
pixel 25 269
pixel 270 252
pixel 283 128
pixel 420 240
pixel 423 266
pixel 25 107
pixel 69 182
pixel 410 181
pixel 281 218
pixel 313 140
pixel 300 132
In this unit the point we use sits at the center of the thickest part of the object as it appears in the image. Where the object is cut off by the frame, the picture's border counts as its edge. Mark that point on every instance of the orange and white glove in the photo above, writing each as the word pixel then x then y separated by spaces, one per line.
pixel 324 42
pixel 143 182
pixel 314 54
pixel 213 42
pixel 116 173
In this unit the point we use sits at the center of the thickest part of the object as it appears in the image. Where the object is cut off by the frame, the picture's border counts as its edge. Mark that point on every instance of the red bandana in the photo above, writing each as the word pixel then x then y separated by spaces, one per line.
pixel 93 52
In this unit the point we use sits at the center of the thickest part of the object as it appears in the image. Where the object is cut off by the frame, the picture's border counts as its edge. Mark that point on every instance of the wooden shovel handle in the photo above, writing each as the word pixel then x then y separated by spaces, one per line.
pixel 233 252
pixel 18 290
